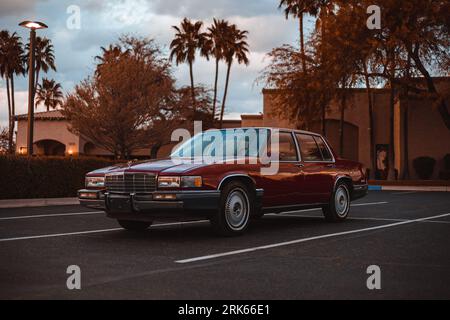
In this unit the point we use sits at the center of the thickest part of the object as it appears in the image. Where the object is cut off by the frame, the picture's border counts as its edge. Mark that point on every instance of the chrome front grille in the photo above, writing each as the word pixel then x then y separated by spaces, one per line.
pixel 130 182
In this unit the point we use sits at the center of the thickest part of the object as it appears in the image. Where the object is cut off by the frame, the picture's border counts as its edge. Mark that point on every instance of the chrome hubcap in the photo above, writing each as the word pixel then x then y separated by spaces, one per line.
pixel 341 201
pixel 236 209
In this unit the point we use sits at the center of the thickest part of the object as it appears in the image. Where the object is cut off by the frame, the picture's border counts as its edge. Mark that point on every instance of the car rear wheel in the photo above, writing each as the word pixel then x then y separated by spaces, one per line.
pixel 134 225
pixel 236 206
pixel 339 206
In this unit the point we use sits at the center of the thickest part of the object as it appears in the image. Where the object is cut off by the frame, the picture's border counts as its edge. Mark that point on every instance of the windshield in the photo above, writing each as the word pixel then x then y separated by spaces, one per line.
pixel 225 144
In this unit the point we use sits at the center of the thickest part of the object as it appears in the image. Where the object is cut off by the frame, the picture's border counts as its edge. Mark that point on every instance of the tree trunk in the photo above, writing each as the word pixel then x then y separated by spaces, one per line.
pixel 341 125
pixel 322 33
pixel 154 151
pixel 191 73
pixel 10 134
pixel 302 42
pixel 225 95
pixel 215 90
pixel 391 156
pixel 405 173
pixel 13 110
pixel 36 84
pixel 373 160
pixel 324 129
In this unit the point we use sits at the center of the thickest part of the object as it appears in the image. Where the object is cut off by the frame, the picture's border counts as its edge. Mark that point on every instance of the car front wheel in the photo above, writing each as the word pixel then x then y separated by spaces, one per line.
pixel 134 225
pixel 236 206
pixel 339 206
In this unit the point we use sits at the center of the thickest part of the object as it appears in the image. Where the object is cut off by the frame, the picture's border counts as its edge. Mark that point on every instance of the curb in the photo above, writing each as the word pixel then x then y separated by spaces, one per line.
pixel 410 188
pixel 22 203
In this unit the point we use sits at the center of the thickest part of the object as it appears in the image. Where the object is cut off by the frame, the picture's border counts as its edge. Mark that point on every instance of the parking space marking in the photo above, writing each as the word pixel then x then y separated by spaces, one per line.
pixel 368 204
pixel 51 215
pixel 287 243
pixel 404 192
pixel 53 235
pixel 58 234
pixel 356 218
pixel 97 212
pixel 352 205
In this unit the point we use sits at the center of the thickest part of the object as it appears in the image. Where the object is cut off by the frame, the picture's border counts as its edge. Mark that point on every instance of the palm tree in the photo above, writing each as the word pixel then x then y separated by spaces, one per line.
pixel 44 57
pixel 188 39
pixel 235 48
pixel 113 52
pixel 217 44
pixel 50 94
pixel 11 63
pixel 298 8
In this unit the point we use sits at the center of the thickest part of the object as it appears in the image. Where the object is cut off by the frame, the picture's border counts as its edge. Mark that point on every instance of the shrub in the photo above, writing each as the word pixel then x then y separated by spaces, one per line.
pixel 424 167
pixel 45 177
pixel 447 162
pixel 445 174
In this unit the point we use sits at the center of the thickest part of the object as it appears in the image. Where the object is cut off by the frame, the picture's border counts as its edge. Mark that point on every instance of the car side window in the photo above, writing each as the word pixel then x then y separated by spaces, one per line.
pixel 286 149
pixel 308 148
pixel 326 154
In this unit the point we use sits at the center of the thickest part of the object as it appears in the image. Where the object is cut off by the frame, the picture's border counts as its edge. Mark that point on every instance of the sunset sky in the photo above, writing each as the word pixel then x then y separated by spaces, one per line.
pixel 102 22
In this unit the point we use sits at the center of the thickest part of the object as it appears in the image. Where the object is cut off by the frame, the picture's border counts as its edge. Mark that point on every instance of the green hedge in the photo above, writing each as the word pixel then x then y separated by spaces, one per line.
pixel 45 177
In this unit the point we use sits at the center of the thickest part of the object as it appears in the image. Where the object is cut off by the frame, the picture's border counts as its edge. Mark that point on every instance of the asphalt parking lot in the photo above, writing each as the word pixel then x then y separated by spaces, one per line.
pixel 291 256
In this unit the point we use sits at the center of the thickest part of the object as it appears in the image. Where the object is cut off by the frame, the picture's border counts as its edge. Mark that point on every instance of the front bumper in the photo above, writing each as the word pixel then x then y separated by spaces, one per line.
pixel 92 198
pixel 148 207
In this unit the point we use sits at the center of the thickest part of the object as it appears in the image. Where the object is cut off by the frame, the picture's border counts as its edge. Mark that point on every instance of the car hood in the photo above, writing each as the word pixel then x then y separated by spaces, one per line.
pixel 154 166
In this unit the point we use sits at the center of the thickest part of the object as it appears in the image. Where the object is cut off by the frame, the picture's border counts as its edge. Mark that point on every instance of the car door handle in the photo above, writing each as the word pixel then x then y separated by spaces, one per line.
pixel 299 165
pixel 331 165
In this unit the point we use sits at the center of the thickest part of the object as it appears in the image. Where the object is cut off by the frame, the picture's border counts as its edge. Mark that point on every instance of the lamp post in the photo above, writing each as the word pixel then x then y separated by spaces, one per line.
pixel 33 26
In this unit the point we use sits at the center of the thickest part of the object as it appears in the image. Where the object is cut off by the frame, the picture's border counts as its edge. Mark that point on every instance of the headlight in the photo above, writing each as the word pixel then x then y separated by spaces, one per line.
pixel 177 182
pixel 168 182
pixel 191 182
pixel 95 182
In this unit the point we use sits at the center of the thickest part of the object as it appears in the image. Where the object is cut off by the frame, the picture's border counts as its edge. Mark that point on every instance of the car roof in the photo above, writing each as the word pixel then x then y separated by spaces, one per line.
pixel 273 128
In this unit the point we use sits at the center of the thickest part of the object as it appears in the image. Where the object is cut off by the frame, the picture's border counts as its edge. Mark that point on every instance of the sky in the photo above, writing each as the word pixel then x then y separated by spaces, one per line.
pixel 102 22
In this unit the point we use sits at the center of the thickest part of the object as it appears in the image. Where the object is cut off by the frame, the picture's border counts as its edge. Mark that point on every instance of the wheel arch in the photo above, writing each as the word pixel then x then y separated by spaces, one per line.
pixel 347 180
pixel 250 183
pixel 244 178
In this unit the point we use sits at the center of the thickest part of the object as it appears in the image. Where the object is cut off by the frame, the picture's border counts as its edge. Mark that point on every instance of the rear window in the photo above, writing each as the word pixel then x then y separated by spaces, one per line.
pixel 308 148
pixel 326 154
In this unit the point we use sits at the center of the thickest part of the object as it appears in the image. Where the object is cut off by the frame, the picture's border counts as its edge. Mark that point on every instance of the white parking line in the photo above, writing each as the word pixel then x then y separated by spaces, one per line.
pixel 352 218
pixel 368 204
pixel 53 235
pixel 287 243
pixel 352 205
pixel 51 215
pixel 97 212
pixel 404 192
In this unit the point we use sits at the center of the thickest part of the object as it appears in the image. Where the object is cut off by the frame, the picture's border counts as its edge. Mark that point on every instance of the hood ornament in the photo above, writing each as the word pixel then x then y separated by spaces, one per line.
pixel 130 163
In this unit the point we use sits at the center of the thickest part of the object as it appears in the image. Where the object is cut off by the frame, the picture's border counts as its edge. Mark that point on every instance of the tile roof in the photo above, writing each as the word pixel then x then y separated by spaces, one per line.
pixel 45 115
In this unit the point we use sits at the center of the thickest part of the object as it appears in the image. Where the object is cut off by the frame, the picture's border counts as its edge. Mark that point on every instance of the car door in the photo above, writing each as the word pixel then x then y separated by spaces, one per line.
pixel 318 168
pixel 284 188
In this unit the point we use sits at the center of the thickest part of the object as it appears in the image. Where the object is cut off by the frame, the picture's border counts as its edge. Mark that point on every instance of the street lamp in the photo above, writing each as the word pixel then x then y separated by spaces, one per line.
pixel 33 26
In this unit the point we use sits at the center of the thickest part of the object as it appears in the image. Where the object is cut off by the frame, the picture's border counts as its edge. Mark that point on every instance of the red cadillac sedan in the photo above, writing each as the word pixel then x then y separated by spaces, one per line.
pixel 229 176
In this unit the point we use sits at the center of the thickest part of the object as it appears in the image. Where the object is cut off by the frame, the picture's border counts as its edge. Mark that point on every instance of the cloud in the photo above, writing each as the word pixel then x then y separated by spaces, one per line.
pixel 16 7
pixel 21 99
pixel 201 9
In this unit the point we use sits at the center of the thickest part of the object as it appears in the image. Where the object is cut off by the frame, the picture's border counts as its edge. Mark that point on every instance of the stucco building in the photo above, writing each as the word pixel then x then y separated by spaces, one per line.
pixel 427 133
pixel 52 137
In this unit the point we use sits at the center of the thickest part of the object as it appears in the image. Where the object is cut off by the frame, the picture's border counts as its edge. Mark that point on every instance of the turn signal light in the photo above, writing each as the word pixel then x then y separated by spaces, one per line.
pixel 164 196
pixel 88 195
